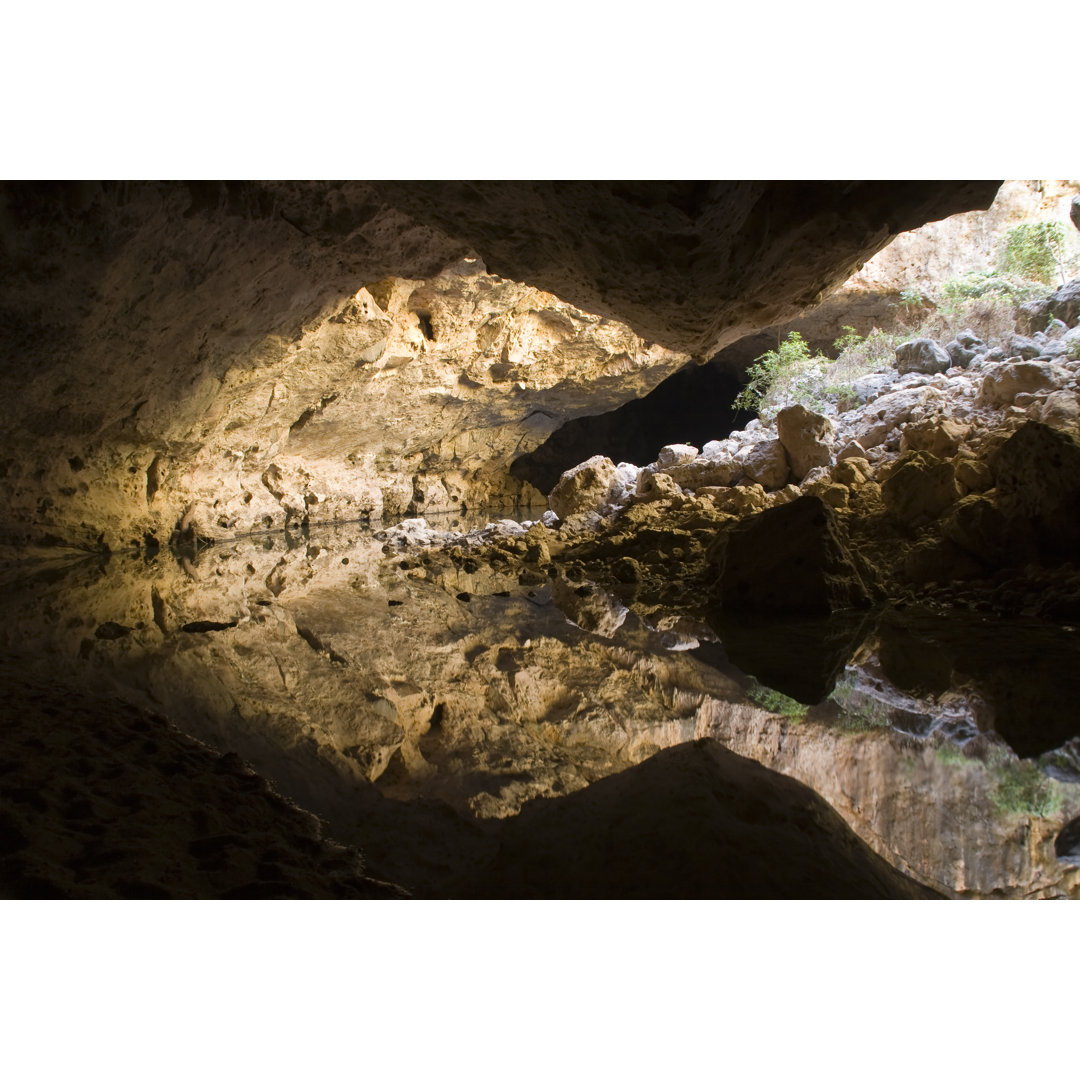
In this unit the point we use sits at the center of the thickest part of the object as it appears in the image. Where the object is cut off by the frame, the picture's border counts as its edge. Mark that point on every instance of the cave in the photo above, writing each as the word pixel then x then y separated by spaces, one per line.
pixel 401 539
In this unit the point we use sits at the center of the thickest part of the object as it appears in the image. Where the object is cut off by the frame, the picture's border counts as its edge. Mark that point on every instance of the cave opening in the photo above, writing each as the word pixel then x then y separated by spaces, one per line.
pixel 694 405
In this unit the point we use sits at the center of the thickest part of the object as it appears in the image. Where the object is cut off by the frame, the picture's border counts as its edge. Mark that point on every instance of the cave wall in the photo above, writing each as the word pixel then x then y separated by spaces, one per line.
pixel 216 358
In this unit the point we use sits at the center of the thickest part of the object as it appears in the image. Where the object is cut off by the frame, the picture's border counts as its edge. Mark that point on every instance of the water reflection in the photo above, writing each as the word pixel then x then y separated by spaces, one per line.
pixel 411 699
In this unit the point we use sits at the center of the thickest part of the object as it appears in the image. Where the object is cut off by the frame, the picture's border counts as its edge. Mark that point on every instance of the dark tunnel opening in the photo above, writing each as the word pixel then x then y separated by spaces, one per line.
pixel 692 406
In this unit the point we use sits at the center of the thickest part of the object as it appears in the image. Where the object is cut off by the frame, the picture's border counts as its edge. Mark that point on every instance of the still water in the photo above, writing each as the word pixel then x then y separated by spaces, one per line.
pixel 413 702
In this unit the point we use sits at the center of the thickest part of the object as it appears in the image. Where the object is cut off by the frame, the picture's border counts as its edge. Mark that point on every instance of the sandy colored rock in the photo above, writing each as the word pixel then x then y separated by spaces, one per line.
pixel 1004 382
pixel 919 487
pixel 588 487
pixel 766 464
pixel 807 438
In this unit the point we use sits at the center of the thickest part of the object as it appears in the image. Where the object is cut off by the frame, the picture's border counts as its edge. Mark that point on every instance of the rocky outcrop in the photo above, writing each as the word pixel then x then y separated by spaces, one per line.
pixel 216 359
pixel 790 560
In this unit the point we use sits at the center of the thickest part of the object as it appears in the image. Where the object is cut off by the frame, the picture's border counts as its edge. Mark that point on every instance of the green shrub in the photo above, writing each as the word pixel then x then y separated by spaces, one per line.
pixel 786 373
pixel 950 754
pixel 775 702
pixel 1035 251
pixel 1021 787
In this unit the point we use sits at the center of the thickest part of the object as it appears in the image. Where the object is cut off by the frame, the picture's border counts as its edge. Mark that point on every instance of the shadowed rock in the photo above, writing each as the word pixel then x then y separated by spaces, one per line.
pixel 695 821
pixel 790 560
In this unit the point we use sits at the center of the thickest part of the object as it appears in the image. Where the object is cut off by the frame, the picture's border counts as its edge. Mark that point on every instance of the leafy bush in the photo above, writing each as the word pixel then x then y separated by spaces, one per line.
pixel 784 374
pixel 1034 250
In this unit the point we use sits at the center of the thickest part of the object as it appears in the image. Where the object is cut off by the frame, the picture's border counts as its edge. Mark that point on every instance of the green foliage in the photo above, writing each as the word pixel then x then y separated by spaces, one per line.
pixel 1021 787
pixel 775 702
pixel 950 754
pixel 787 372
pixel 848 340
pixel 912 300
pixel 978 284
pixel 1072 349
pixel 1034 251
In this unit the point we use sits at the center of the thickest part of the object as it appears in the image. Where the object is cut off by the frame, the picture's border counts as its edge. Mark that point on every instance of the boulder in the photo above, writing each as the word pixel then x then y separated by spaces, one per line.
pixel 975 475
pixel 738 501
pixel 705 473
pixel 960 356
pixel 1060 410
pixel 766 464
pixel 807 438
pixel 923 356
pixel 886 414
pixel 651 487
pixel 676 454
pixel 1027 348
pixel 791 560
pixel 936 435
pixel 919 487
pixel 1038 487
pixel 1065 303
pixel 1002 383
pixel 589 487
pixel 968 340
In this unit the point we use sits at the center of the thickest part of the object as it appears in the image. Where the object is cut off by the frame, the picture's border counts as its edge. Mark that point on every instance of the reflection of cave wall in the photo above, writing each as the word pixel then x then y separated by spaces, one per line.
pixel 692 406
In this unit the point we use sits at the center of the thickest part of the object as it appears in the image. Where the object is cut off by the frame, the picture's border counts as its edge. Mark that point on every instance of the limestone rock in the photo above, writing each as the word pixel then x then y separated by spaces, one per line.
pixel 739 501
pixel 1038 484
pixel 652 487
pixel 919 487
pixel 1004 382
pixel 676 454
pixel 806 436
pixel 936 435
pixel 975 475
pixel 790 560
pixel 587 487
pixel 923 356
pixel 766 464
pixel 887 413
pixel 1060 410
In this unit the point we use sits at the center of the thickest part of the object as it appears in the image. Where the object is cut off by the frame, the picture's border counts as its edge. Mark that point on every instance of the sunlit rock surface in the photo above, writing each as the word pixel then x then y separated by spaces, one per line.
pixel 207 359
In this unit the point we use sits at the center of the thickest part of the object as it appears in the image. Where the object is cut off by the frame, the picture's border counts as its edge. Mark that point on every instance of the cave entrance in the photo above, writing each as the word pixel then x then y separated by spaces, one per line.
pixel 692 406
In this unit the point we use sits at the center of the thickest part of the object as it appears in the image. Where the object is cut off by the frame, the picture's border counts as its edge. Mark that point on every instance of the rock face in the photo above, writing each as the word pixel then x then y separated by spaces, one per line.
pixel 806 437
pixel 215 359
pixel 587 488
pixel 790 560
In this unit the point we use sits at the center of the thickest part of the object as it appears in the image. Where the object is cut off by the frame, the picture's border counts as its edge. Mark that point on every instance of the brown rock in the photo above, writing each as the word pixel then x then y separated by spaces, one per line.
pixel 767 464
pixel 791 559
pixel 806 436
pixel 919 487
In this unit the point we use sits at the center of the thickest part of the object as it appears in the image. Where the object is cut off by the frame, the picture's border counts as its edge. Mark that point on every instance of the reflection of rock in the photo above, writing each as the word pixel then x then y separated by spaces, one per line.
pixel 790 560
pixel 799 657
pixel 695 821
pixel 589 607
pixel 1029 677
